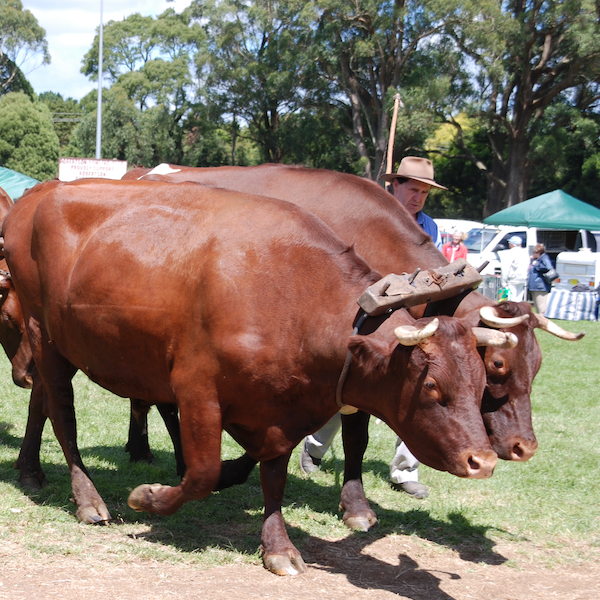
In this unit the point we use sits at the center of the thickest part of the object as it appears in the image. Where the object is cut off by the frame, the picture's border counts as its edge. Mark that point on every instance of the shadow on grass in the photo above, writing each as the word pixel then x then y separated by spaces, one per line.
pixel 232 519
pixel 7 438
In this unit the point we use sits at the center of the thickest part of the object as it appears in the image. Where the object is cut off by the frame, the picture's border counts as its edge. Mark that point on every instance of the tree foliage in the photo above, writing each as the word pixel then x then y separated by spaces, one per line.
pixel 151 60
pixel 536 53
pixel 313 82
pixel 21 40
pixel 368 50
pixel 257 64
pixel 28 142
pixel 66 113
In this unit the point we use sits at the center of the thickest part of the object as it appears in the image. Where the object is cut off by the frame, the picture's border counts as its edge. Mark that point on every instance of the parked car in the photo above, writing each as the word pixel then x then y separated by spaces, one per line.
pixel 484 244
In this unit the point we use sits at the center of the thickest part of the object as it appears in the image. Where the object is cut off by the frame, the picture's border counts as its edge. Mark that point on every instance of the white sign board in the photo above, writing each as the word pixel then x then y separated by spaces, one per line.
pixel 70 169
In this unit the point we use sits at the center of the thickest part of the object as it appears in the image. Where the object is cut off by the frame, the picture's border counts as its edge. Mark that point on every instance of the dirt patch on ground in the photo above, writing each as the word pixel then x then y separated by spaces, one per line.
pixel 394 566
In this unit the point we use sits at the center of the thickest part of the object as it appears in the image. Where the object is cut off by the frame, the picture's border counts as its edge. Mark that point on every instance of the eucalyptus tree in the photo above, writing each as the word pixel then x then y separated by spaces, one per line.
pixel 153 60
pixel 527 55
pixel 257 63
pixel 368 50
pixel 23 46
pixel 565 148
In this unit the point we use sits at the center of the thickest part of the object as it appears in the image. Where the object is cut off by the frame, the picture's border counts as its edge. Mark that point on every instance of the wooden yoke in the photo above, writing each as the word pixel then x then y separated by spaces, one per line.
pixel 403 291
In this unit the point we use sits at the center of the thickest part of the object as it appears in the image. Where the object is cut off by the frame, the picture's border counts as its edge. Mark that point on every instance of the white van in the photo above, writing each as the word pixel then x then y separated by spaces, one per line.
pixel 577 269
pixel 484 244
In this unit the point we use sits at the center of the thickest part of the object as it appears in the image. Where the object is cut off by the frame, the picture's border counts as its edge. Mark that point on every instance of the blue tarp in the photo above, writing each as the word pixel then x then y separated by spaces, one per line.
pixel 14 183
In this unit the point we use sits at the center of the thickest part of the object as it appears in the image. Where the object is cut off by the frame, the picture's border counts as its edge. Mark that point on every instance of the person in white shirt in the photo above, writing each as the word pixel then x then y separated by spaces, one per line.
pixel 515 264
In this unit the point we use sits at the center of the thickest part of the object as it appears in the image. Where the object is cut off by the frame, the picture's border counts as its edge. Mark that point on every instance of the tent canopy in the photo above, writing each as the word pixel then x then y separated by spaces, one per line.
pixel 14 183
pixel 554 210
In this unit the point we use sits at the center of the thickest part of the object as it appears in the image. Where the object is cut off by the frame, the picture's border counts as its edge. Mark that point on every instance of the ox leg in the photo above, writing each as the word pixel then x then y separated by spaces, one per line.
pixel 170 415
pixel 201 441
pixel 137 444
pixel 31 475
pixel 355 436
pixel 57 374
pixel 236 471
pixel 279 554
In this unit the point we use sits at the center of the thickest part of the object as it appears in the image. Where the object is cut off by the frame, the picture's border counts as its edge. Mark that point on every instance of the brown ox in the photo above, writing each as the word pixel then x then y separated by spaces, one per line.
pixel 365 215
pixel 238 310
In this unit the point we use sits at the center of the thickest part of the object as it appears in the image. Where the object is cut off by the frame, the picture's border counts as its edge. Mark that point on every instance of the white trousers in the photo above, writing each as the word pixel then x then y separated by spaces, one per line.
pixel 516 291
pixel 318 443
pixel 404 466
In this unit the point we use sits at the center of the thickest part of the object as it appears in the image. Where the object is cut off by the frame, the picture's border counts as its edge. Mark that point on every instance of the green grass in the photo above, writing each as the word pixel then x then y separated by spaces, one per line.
pixel 551 501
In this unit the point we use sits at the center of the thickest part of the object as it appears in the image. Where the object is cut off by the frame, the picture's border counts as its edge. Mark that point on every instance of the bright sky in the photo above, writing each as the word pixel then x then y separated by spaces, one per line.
pixel 70 28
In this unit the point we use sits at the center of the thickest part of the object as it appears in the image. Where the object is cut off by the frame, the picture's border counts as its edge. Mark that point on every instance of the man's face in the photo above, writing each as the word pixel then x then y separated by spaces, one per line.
pixel 411 194
pixel 457 238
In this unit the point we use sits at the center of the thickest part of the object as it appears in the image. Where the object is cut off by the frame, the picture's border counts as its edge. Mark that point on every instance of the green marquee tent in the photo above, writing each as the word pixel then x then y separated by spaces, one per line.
pixel 14 183
pixel 554 210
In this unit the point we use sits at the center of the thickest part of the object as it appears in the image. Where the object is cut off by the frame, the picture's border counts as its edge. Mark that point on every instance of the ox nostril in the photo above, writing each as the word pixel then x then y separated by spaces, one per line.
pixel 482 467
pixel 518 452
pixel 473 464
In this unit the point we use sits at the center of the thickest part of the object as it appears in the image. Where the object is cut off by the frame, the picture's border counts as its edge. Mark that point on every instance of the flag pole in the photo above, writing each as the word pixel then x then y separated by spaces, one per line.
pixel 99 110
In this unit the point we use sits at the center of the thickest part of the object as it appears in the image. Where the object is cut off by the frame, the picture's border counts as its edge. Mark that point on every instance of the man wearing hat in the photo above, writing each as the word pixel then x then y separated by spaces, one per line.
pixel 411 185
pixel 514 264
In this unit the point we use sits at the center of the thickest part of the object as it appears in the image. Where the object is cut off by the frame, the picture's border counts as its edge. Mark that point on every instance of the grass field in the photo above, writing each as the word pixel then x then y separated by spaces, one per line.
pixel 551 501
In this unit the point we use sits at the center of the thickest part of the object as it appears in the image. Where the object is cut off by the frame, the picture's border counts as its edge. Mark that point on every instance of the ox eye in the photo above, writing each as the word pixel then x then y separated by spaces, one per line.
pixel 430 385
pixel 498 364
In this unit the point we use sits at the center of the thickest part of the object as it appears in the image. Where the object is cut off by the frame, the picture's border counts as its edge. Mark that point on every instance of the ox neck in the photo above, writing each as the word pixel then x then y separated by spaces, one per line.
pixel 359 320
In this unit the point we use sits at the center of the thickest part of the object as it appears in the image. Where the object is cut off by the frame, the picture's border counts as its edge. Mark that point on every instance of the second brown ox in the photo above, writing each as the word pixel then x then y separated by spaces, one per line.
pixel 366 216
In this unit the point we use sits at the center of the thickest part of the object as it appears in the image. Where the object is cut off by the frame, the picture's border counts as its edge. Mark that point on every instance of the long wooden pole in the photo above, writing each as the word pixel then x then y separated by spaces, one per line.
pixel 390 151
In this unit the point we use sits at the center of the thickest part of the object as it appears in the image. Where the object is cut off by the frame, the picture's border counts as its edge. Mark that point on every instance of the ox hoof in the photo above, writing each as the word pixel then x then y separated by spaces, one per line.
pixel 143 496
pixel 94 516
pixel 33 483
pixel 360 522
pixel 284 564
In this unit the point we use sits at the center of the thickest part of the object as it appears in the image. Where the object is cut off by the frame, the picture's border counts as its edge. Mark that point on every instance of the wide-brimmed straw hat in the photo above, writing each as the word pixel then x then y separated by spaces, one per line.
pixel 413 167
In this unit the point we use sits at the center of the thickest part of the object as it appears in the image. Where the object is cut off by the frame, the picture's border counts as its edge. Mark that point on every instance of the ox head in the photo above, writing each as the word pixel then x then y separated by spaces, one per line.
pixel 506 406
pixel 13 336
pixel 426 381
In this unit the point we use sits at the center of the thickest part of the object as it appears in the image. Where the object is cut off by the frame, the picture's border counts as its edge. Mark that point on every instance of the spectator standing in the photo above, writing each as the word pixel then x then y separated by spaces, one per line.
pixel 540 263
pixel 455 249
pixel 410 186
pixel 515 265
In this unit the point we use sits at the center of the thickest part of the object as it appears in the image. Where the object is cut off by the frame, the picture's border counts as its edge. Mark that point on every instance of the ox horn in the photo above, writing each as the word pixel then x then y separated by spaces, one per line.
pixel 557 330
pixel 410 336
pixel 493 338
pixel 491 318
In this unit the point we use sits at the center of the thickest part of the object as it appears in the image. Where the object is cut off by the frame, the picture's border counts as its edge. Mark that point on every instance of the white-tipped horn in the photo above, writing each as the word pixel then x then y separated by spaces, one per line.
pixel 554 329
pixel 410 336
pixel 491 318
pixel 496 339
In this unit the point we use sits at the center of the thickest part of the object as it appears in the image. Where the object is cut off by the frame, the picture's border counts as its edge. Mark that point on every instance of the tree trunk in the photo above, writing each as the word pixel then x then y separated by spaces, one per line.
pixel 518 172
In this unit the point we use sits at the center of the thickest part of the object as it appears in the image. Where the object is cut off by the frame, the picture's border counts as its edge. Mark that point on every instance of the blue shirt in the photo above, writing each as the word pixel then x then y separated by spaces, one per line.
pixel 429 226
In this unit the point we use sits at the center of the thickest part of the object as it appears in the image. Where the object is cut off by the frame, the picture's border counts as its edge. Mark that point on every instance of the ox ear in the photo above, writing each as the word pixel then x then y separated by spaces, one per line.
pixel 372 355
